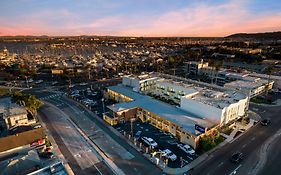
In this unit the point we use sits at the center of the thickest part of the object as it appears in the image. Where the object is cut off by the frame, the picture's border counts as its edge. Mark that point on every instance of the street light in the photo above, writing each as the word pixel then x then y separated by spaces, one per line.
pixel 132 120
pixel 103 105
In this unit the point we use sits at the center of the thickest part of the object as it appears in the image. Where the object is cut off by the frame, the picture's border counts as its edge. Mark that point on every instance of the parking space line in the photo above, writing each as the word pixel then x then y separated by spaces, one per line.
pixel 221 164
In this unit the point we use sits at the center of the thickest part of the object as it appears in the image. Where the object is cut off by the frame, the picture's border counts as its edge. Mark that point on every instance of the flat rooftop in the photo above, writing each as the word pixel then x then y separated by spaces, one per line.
pixel 218 99
pixel 242 84
pixel 7 108
pixel 187 88
pixel 179 117
pixel 142 77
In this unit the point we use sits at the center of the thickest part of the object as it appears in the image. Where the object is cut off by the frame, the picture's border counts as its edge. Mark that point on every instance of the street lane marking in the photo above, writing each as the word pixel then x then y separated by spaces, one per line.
pixel 235 170
pixel 243 146
pixel 253 138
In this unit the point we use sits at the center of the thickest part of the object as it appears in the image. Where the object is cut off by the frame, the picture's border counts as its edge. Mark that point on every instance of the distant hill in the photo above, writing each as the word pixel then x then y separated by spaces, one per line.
pixel 258 36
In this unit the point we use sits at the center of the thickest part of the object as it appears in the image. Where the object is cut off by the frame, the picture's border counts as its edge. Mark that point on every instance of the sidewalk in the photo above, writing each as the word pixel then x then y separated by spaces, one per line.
pixel 238 128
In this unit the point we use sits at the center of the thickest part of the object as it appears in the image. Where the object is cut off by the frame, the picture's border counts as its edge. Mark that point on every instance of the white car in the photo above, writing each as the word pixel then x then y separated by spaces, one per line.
pixel 169 154
pixel 186 148
pixel 149 142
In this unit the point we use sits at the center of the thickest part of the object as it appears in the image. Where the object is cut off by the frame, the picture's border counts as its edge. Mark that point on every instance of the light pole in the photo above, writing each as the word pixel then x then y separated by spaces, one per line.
pixel 26 81
pixel 103 105
pixel 132 120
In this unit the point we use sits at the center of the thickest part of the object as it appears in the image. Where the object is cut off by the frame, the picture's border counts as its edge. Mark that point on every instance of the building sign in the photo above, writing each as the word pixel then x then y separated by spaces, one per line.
pixel 199 128
pixel 57 71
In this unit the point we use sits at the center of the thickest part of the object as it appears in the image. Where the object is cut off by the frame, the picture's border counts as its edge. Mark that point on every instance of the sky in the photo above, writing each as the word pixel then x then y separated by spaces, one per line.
pixel 139 17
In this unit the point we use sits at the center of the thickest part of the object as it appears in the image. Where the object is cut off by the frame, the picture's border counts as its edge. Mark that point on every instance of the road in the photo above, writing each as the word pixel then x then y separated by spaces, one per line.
pixel 79 154
pixel 129 160
pixel 250 144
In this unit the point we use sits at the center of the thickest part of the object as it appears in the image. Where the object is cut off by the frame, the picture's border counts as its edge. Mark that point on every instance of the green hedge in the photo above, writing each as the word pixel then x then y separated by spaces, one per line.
pixel 207 142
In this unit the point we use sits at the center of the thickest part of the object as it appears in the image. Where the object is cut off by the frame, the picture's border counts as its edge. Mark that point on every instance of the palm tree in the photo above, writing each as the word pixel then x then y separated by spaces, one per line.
pixel 211 63
pixel 218 65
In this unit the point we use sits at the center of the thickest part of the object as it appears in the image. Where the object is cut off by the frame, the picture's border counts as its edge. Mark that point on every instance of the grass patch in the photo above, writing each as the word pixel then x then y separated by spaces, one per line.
pixel 3 91
pixel 260 100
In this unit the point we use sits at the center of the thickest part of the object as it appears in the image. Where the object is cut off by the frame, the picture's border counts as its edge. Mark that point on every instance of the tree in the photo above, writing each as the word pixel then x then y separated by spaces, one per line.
pixel 31 103
pixel 218 65
pixel 211 139
pixel 211 63
pixel 171 62
pixel 269 72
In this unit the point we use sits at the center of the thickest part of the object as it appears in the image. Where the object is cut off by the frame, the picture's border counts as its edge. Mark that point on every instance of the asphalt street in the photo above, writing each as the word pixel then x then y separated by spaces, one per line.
pixel 249 144
pixel 76 150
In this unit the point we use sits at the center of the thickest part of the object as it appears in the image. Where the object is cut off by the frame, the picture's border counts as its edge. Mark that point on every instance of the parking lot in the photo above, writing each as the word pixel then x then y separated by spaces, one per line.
pixel 90 96
pixel 163 139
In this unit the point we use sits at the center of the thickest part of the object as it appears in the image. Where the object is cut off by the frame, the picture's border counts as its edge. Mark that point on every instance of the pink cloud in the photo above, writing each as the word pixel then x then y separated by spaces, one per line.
pixel 205 20
pixel 197 20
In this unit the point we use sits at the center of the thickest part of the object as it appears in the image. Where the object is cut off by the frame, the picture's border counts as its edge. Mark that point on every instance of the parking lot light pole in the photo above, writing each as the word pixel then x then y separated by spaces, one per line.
pixel 132 120
pixel 103 105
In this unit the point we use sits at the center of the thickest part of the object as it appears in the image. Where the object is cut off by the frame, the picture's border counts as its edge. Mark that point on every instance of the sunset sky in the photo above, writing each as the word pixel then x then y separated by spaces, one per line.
pixel 138 17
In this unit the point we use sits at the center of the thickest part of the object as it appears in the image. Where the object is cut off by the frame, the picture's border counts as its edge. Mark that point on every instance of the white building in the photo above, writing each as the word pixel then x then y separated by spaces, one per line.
pixel 195 106
pixel 218 105
pixel 140 83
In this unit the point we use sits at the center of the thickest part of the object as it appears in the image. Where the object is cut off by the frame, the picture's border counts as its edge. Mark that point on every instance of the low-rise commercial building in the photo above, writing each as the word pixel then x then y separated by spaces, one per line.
pixel 253 87
pixel 198 108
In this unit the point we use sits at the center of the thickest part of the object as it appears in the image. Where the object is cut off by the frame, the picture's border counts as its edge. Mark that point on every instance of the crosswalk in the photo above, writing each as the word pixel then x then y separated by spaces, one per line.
pixel 50 96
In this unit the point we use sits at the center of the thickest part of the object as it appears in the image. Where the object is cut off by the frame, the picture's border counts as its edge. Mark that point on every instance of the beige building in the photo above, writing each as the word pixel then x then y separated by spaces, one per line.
pixel 166 117
pixel 13 115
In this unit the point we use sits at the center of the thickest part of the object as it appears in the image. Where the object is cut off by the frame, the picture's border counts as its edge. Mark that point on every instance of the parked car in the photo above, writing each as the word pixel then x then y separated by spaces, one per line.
pixel 47 155
pixel 169 154
pixel 149 142
pixel 137 135
pixel 236 157
pixel 186 148
pixel 265 122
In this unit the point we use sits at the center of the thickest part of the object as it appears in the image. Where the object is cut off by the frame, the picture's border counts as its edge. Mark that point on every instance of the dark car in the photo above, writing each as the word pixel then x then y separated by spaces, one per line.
pixel 47 155
pixel 265 122
pixel 236 157
pixel 137 135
